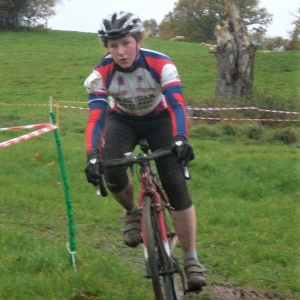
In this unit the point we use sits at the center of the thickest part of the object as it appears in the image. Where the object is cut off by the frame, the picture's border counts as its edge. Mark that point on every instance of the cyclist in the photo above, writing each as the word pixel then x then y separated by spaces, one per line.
pixel 136 93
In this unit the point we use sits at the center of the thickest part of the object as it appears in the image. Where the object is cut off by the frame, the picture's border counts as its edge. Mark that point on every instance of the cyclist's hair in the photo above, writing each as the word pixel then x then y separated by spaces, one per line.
pixel 138 37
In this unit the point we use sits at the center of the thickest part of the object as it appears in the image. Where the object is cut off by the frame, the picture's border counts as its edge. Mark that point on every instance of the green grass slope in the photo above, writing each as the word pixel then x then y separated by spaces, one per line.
pixel 37 65
pixel 246 192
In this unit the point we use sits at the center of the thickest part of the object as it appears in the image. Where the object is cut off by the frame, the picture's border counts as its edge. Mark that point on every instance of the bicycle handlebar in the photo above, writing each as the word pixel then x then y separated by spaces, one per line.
pixel 130 160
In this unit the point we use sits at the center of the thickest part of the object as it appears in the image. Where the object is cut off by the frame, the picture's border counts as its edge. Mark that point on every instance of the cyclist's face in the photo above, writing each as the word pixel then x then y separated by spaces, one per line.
pixel 123 50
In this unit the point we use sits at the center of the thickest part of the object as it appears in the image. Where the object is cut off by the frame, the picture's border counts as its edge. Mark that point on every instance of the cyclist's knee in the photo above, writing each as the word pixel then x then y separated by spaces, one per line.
pixel 178 194
pixel 116 186
pixel 181 204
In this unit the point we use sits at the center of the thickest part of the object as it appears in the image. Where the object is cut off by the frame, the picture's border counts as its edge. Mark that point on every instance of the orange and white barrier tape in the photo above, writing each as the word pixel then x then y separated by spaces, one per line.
pixel 22 104
pixel 24 137
pixel 207 109
pixel 26 127
pixel 75 107
pixel 211 109
pixel 37 104
pixel 188 107
pixel 242 108
pixel 243 119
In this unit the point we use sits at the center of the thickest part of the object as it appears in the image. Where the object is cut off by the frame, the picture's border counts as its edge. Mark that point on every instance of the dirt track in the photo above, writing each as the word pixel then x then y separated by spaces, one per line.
pixel 239 293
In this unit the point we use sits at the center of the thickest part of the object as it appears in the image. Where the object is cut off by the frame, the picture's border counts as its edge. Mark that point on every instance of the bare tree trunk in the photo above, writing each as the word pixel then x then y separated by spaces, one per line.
pixel 235 53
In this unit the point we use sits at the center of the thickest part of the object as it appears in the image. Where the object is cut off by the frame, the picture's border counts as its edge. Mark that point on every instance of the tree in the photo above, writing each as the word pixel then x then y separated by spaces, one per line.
pixel 258 37
pixel 165 28
pixel 196 19
pixel 9 10
pixel 235 54
pixel 25 13
pixel 294 43
pixel 36 10
pixel 276 44
pixel 151 28
pixel 190 18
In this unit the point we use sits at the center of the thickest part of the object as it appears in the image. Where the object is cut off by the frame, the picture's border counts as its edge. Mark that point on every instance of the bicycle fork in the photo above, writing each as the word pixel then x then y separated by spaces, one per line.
pixel 168 247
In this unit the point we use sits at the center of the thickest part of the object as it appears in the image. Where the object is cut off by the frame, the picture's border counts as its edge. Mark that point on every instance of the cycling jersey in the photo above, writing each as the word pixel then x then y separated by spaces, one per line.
pixel 151 86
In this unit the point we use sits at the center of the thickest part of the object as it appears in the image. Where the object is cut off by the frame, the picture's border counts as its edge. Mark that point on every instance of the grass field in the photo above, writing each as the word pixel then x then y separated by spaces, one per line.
pixel 245 178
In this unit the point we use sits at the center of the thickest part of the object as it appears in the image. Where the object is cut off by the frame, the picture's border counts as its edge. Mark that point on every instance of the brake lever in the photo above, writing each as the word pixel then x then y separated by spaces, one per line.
pixel 129 155
pixel 185 169
pixel 100 189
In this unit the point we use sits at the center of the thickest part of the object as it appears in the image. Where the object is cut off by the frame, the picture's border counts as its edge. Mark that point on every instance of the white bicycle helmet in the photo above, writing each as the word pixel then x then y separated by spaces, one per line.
pixel 120 24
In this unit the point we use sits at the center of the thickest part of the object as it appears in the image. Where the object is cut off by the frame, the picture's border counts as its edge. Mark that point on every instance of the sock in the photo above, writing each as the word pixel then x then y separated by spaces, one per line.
pixel 190 255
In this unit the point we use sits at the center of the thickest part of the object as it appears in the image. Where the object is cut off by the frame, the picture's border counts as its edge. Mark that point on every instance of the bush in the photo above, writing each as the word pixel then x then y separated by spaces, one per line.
pixel 229 129
pixel 288 136
pixel 254 132
pixel 203 130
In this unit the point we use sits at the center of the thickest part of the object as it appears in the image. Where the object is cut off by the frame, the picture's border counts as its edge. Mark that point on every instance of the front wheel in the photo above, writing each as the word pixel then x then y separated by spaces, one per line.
pixel 161 265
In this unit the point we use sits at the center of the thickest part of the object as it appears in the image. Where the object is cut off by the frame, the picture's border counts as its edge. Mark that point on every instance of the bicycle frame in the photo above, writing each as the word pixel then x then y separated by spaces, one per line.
pixel 150 187
pixel 161 266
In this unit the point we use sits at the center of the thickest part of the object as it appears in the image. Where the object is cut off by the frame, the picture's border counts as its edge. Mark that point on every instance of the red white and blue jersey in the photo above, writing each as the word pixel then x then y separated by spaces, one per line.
pixel 150 86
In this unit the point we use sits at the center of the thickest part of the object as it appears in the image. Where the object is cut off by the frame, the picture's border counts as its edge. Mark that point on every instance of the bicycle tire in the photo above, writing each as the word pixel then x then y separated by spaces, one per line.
pixel 162 268
pixel 173 264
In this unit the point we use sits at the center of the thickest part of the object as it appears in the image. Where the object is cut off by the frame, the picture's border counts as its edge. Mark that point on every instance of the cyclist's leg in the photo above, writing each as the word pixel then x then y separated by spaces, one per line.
pixel 184 220
pixel 174 183
pixel 175 186
pixel 121 138
pixel 185 224
pixel 125 196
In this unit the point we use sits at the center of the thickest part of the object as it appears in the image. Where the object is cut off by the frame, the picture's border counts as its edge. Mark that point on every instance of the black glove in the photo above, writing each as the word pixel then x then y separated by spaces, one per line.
pixel 183 151
pixel 92 171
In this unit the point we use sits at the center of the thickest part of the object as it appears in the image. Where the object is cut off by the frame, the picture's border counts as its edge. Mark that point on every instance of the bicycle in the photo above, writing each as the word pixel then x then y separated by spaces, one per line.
pixel 158 239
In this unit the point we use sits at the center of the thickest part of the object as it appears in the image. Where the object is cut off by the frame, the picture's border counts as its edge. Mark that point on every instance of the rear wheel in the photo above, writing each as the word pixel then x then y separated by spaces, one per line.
pixel 161 265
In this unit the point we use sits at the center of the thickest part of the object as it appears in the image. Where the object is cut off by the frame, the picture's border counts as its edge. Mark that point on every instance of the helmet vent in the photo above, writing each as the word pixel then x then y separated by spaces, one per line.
pixel 120 24
pixel 113 19
pixel 107 25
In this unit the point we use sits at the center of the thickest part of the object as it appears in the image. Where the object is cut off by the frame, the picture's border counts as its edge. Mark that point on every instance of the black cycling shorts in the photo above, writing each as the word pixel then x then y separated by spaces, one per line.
pixel 122 134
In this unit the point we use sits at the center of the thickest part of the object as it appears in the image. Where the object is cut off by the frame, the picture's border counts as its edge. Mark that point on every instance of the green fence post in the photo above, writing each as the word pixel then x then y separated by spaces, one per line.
pixel 72 248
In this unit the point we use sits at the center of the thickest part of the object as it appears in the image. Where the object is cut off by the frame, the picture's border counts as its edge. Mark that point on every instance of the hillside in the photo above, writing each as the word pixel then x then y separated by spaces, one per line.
pixel 58 62
pixel 245 178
